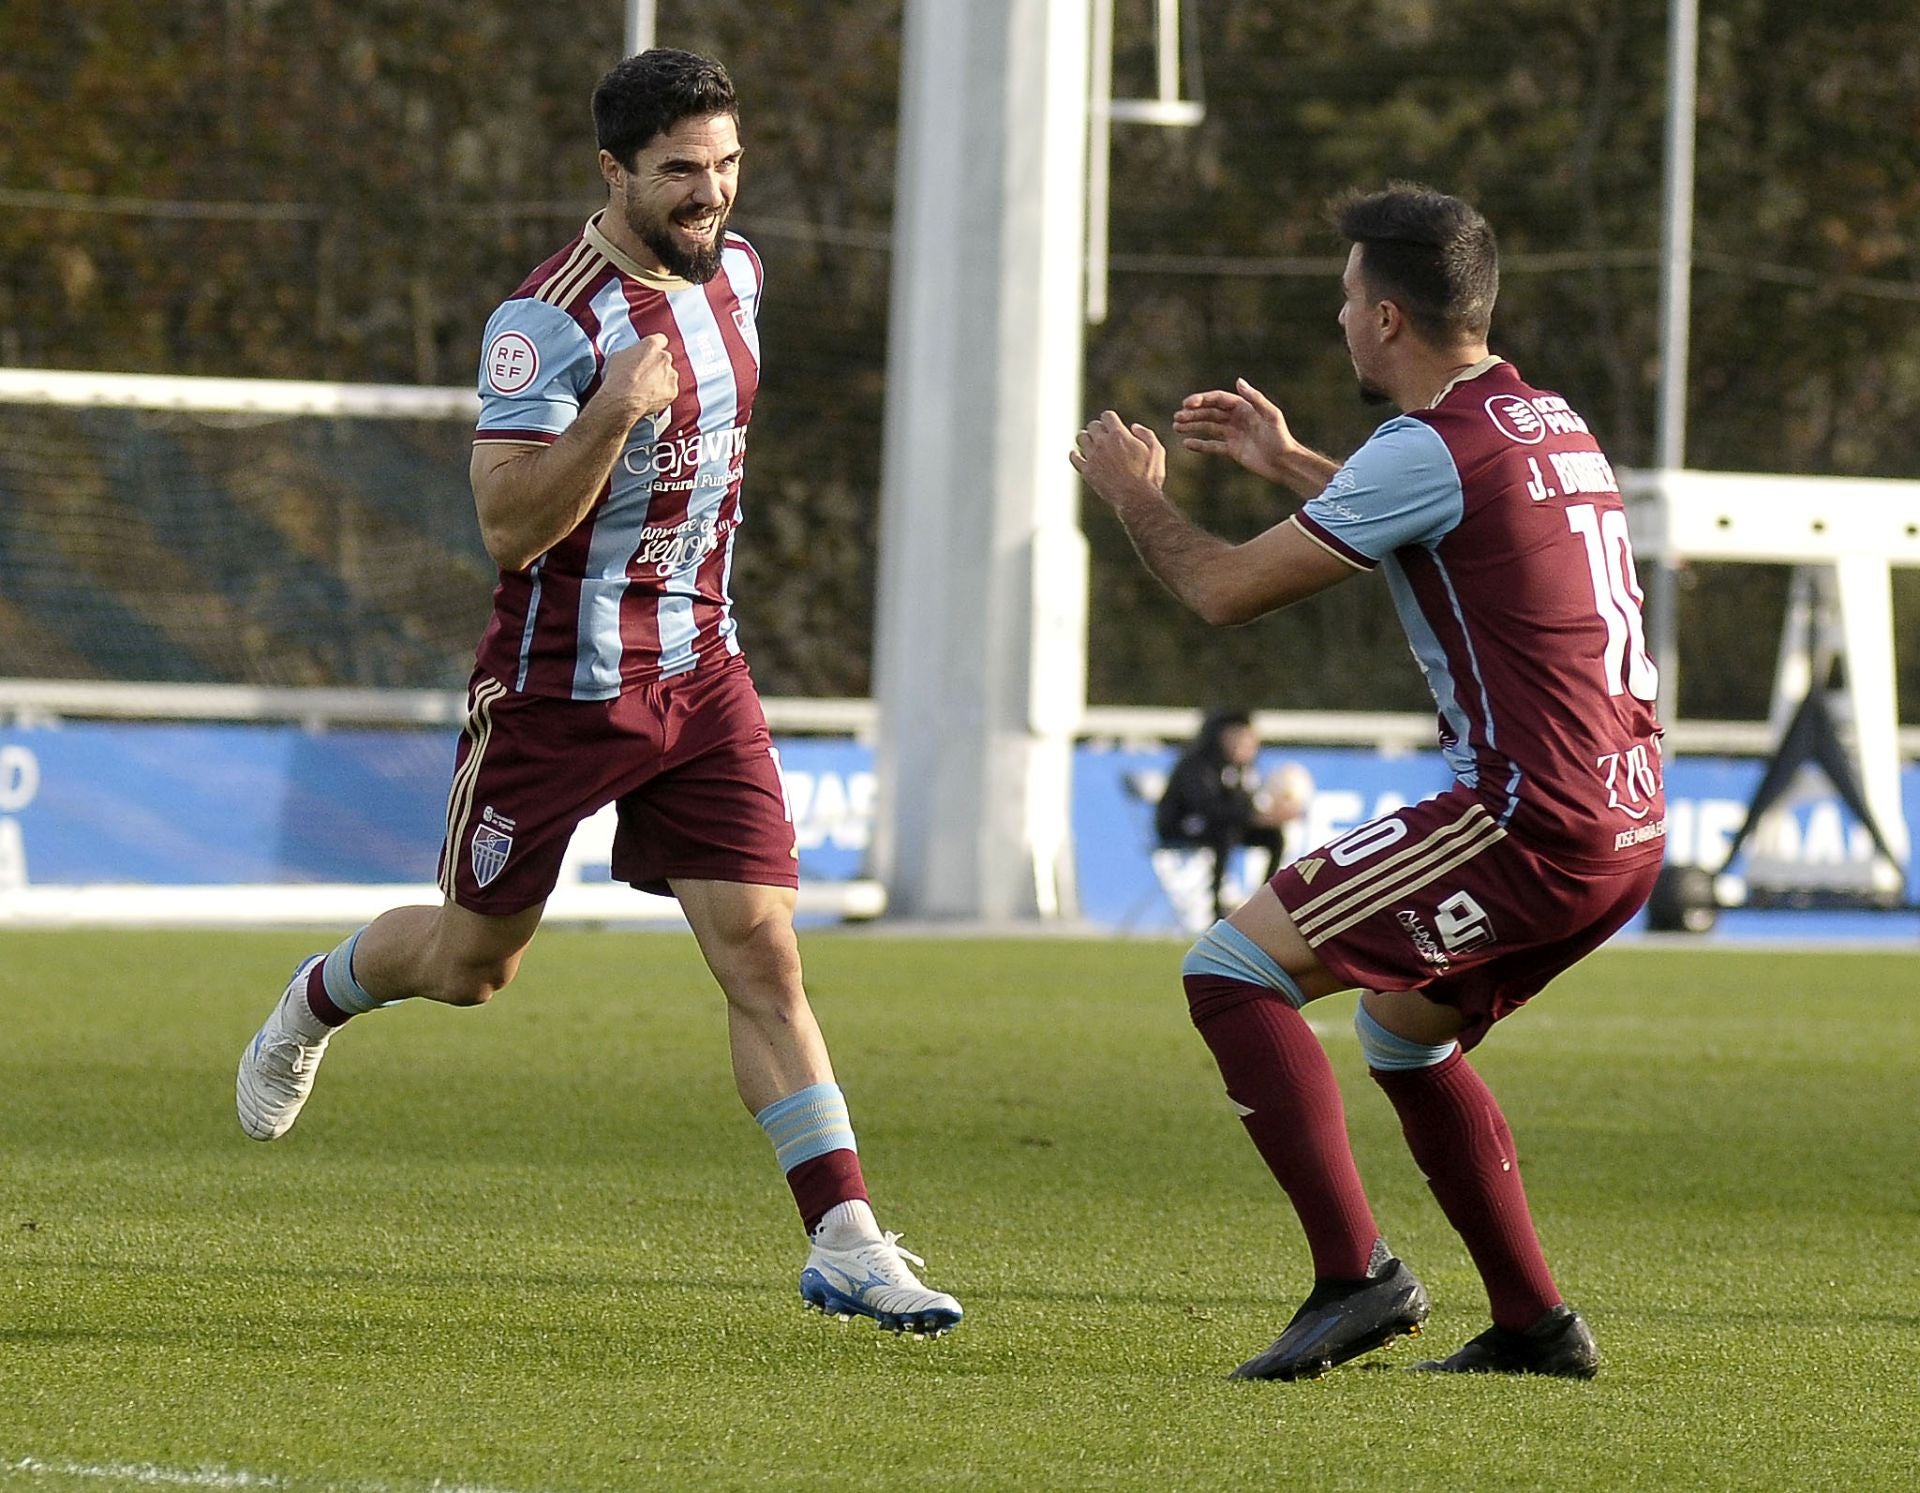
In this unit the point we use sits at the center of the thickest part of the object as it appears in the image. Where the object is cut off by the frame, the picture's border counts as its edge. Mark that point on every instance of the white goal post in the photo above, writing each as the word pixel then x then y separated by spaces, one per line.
pixel 1851 531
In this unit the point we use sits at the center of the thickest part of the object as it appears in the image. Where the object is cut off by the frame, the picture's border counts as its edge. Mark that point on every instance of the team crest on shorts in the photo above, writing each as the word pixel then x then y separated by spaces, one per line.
pixel 490 852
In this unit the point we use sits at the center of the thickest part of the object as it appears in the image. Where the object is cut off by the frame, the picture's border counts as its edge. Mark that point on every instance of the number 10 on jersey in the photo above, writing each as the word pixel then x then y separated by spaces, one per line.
pixel 1617 598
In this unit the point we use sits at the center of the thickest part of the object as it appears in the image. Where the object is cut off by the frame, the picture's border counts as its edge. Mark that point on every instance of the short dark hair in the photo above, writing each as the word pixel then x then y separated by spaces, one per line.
pixel 1215 724
pixel 653 91
pixel 1432 253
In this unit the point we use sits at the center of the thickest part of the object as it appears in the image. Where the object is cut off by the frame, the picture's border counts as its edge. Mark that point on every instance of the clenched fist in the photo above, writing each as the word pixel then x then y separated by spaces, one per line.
pixel 641 377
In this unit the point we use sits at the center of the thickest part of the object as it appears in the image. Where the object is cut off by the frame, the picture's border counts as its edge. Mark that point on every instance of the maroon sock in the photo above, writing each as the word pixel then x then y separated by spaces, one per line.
pixel 824 1182
pixel 324 1010
pixel 1460 1140
pixel 1276 1069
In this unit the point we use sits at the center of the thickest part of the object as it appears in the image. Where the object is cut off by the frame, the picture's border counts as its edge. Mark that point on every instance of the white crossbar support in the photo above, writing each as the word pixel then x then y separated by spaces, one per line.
pixel 251 396
pixel 1860 527
pixel 1773 519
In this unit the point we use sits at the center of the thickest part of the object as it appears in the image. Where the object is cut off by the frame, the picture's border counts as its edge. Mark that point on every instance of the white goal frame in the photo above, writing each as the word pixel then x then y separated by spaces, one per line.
pixel 1852 531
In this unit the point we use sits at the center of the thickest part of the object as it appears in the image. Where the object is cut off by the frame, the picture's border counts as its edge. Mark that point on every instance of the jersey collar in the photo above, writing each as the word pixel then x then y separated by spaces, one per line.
pixel 626 263
pixel 1465 375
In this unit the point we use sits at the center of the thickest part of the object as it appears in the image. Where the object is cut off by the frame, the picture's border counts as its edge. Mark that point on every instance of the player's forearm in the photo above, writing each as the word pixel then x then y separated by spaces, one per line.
pixel 530 503
pixel 1182 556
pixel 1303 471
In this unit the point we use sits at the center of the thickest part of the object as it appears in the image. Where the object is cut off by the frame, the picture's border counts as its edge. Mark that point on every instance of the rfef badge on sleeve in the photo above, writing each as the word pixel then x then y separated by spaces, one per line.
pixel 513 362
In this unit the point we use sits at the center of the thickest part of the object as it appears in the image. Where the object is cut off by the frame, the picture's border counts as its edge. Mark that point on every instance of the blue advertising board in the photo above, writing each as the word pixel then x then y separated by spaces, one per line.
pixel 221 805
pixel 185 805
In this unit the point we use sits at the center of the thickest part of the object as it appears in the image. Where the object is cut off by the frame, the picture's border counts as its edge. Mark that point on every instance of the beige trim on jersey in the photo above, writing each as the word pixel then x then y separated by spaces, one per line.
pixel 574 270
pixel 625 262
pixel 1486 364
pixel 590 256
pixel 1294 519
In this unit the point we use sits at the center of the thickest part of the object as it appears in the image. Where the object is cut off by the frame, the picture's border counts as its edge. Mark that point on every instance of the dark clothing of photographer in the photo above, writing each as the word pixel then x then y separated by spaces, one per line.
pixel 1209 799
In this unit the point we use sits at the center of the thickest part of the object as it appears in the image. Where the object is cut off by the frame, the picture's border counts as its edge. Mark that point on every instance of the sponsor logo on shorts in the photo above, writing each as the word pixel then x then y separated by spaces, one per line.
pixel 1309 869
pixel 490 852
pixel 512 363
pixel 491 815
pixel 1462 922
pixel 1424 942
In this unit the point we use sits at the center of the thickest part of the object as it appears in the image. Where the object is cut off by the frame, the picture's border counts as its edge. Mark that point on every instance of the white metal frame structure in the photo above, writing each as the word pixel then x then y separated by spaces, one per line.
pixel 1853 531
pixel 1166 108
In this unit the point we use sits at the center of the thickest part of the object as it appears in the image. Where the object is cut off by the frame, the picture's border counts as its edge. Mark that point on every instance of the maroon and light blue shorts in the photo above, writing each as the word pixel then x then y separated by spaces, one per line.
pixel 687 761
pixel 1437 897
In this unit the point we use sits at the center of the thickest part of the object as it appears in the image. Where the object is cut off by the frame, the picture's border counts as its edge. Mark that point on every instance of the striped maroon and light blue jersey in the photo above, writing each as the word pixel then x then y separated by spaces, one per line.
pixel 1500 527
pixel 639 590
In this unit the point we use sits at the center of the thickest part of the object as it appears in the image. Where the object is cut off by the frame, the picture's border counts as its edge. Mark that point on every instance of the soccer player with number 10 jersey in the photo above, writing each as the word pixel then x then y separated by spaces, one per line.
pixel 1500 529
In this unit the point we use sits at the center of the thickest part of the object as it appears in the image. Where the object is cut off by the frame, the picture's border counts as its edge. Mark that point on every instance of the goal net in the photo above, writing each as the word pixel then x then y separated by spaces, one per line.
pixel 228 531
pixel 253 553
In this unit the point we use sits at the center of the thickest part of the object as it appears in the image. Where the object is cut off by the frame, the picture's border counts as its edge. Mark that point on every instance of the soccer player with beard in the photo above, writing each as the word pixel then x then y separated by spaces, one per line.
pixel 1499 525
pixel 616 385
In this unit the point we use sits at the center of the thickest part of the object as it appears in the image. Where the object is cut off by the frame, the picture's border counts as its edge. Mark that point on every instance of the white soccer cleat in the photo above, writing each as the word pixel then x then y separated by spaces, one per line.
pixel 277 1069
pixel 872 1279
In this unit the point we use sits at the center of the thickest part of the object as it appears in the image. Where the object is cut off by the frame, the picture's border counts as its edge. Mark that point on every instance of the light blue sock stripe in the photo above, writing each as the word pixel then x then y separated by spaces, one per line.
pixel 1224 950
pixel 342 988
pixel 1391 1053
pixel 808 1124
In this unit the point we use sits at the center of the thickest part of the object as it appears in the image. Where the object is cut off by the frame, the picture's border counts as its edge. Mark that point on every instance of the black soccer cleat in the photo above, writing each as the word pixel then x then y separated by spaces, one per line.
pixel 1341 1319
pixel 1559 1345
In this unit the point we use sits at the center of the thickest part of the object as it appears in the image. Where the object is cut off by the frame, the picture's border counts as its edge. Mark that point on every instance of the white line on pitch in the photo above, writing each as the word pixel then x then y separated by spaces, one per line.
pixel 150 1474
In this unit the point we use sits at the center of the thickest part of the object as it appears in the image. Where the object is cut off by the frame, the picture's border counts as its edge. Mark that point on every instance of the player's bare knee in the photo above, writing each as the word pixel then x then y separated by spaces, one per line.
pixel 758 965
pixel 769 992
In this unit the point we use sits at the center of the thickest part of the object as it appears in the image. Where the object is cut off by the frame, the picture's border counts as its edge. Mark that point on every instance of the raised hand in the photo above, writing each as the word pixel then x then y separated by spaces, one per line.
pixel 1243 424
pixel 1116 458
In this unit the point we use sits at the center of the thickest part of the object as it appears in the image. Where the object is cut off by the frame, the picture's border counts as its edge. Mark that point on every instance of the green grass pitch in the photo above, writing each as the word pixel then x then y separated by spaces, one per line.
pixel 540 1247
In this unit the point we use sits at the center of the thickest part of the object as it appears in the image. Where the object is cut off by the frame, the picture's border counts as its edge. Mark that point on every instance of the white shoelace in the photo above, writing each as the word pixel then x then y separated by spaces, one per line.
pixel 890 1241
pixel 887 1258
